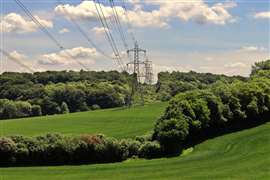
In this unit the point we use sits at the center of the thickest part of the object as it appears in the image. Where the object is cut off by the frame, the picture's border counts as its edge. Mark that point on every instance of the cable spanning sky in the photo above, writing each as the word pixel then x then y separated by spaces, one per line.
pixel 206 36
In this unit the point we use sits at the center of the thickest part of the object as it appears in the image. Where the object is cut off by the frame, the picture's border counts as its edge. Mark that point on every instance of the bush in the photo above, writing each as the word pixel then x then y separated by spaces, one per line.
pixel 143 138
pixel 36 110
pixel 110 151
pixel 64 108
pixel 170 133
pixel 130 148
pixel 7 151
pixel 95 107
pixel 9 110
pixel 150 150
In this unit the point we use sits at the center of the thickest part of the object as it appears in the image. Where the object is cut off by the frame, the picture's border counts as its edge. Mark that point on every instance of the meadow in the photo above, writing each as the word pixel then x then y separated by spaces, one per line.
pixel 118 122
pixel 242 155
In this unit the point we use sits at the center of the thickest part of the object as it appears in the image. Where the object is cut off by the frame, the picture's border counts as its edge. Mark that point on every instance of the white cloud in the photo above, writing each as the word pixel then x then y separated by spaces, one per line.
pixel 68 56
pixel 16 23
pixel 17 55
pixel 86 10
pixel 197 11
pixel 262 15
pixel 252 49
pixel 99 31
pixel 64 30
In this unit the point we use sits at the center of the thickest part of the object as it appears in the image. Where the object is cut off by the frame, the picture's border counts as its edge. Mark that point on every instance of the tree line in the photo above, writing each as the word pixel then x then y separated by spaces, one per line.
pixel 47 93
pixel 170 84
pixel 196 115
pixel 51 92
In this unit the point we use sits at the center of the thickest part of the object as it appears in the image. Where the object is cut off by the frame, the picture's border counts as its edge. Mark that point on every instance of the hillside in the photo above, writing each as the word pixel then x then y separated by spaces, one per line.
pixel 240 155
pixel 117 122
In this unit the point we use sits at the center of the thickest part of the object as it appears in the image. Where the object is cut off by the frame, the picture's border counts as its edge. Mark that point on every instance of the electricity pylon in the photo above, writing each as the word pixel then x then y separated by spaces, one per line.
pixel 148 72
pixel 137 74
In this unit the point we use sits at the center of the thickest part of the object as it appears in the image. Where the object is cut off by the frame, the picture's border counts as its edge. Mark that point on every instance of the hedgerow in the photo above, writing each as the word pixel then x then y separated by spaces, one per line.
pixel 56 149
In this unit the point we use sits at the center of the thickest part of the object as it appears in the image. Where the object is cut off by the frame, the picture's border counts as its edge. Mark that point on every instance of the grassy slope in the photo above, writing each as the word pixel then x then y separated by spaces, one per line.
pixel 112 122
pixel 242 155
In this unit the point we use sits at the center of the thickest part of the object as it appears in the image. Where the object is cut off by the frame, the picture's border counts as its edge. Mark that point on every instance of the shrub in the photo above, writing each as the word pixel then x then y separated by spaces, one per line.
pixel 92 139
pixel 24 109
pixel 130 148
pixel 7 151
pixel 9 110
pixel 150 150
pixel 170 133
pixel 95 107
pixel 143 138
pixel 110 151
pixel 36 110
pixel 64 108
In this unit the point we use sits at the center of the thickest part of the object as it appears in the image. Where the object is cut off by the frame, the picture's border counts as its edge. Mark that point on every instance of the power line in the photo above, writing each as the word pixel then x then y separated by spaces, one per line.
pixel 38 23
pixel 83 33
pixel 43 28
pixel 106 28
pixel 108 34
pixel 16 61
pixel 128 22
pixel 118 24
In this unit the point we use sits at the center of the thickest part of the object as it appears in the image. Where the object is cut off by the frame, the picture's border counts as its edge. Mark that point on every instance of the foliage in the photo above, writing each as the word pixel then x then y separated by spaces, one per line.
pixel 7 151
pixel 261 69
pixel 170 84
pixel 56 149
pixel 61 92
pixel 150 150
pixel 64 108
pixel 199 114
pixel 17 109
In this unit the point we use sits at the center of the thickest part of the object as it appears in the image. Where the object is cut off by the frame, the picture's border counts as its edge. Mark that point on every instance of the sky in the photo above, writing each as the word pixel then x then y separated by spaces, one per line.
pixel 222 37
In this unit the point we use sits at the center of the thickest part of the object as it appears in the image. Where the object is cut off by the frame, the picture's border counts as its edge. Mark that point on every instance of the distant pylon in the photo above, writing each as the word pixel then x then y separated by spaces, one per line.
pixel 137 74
pixel 148 71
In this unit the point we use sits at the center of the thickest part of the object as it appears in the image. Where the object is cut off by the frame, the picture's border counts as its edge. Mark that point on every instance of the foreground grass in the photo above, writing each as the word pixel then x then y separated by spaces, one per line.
pixel 117 122
pixel 241 156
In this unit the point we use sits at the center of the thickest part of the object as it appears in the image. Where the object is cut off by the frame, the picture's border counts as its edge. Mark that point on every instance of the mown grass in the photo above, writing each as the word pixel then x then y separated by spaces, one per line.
pixel 119 122
pixel 242 155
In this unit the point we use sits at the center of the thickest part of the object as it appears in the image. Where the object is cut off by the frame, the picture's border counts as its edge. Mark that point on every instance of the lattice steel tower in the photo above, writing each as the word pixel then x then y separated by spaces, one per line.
pixel 137 74
pixel 148 72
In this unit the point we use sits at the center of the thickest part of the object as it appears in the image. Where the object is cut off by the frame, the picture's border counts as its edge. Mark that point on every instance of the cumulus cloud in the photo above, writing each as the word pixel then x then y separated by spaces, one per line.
pixel 68 56
pixel 17 55
pixel 13 22
pixel 262 15
pixel 86 10
pixel 197 11
pixel 64 30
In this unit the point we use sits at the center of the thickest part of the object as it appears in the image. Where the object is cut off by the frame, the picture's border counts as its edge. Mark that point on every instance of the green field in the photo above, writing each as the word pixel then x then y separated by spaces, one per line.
pixel 117 122
pixel 241 156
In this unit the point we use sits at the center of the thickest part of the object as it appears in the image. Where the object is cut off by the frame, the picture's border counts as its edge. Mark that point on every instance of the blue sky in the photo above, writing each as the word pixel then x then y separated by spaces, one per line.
pixel 207 36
